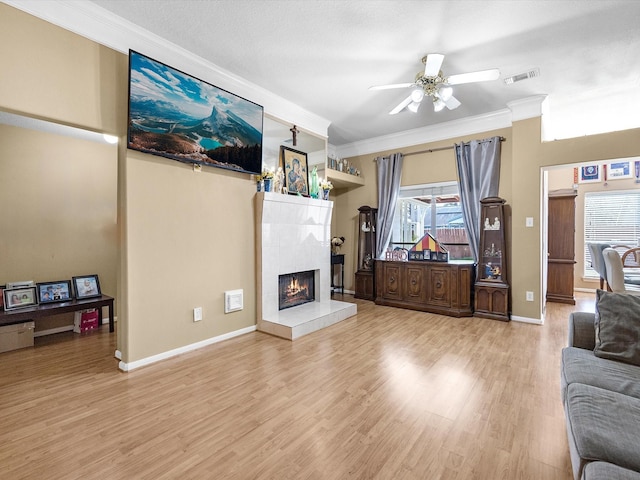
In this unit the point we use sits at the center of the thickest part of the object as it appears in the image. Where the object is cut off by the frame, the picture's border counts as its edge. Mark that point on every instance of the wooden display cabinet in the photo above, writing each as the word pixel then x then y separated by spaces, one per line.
pixel 365 278
pixel 492 285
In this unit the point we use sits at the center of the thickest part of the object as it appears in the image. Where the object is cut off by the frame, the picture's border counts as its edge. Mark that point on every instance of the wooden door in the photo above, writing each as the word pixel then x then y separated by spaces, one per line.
pixel 561 242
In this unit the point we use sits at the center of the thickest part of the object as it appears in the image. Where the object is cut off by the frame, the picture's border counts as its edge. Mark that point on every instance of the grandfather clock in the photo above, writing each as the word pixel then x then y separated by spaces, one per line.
pixel 492 283
pixel 367 219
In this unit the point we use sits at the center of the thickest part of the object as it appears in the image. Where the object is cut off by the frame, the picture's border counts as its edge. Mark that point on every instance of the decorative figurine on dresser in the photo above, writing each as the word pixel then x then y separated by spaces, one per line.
pixel 492 284
pixel 367 220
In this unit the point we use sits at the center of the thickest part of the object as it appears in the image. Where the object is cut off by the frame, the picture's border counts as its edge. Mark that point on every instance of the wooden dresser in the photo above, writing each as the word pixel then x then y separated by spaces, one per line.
pixel 437 287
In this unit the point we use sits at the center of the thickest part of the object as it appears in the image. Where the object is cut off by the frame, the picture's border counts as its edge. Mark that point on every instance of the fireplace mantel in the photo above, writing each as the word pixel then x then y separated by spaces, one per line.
pixel 293 234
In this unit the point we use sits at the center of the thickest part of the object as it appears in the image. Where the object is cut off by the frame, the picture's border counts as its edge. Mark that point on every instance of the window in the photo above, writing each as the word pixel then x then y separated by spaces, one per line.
pixel 435 209
pixel 611 217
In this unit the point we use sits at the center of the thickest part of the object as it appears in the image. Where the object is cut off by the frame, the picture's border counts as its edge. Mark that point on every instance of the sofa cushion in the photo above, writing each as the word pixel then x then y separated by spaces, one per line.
pixel 602 425
pixel 617 325
pixel 582 366
pixel 608 471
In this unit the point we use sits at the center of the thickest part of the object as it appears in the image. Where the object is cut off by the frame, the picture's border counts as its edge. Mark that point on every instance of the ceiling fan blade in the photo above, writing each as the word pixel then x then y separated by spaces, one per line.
pixel 395 85
pixel 401 105
pixel 471 77
pixel 452 102
pixel 433 64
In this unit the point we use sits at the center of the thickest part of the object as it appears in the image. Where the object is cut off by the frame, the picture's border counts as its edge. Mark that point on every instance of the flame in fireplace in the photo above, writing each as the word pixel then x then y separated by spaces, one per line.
pixel 294 288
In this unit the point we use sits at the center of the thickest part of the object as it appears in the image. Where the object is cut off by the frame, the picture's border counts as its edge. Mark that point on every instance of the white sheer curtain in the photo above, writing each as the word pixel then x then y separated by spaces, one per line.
pixel 478 164
pixel 389 173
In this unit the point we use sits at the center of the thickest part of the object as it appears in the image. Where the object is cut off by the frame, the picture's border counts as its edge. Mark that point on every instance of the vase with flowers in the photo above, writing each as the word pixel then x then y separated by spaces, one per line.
pixel 267 178
pixel 325 186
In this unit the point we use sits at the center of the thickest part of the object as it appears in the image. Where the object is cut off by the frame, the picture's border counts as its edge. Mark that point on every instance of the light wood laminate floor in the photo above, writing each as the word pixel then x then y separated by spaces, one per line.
pixel 387 394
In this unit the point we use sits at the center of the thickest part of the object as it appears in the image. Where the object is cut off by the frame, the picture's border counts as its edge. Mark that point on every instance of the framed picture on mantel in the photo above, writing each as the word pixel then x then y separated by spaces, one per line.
pixel 296 171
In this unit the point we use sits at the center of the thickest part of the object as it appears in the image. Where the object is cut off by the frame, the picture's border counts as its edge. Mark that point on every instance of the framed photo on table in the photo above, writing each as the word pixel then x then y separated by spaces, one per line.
pixel 20 297
pixel 86 286
pixel 296 171
pixel 50 292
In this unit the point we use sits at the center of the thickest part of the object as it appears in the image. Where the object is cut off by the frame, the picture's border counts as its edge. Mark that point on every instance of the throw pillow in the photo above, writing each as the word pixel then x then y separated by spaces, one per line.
pixel 617 327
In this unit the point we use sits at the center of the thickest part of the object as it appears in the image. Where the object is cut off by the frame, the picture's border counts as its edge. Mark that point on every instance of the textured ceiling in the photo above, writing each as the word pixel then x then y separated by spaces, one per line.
pixel 324 54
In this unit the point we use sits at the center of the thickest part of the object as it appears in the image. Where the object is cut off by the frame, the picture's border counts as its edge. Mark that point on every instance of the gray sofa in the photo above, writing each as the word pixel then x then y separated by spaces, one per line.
pixel 601 395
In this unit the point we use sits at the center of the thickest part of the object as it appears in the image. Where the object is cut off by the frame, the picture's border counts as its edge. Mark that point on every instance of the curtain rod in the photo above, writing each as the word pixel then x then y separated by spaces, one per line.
pixel 439 149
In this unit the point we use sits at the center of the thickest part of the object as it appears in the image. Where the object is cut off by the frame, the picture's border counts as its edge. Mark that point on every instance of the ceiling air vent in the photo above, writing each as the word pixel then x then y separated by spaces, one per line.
pixel 522 76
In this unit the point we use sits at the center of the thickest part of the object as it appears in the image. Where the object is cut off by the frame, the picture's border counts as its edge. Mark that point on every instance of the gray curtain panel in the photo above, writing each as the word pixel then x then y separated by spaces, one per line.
pixel 389 173
pixel 478 164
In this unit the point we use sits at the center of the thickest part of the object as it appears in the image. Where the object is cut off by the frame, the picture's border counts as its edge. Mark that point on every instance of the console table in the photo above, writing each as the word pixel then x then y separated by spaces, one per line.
pixel 20 315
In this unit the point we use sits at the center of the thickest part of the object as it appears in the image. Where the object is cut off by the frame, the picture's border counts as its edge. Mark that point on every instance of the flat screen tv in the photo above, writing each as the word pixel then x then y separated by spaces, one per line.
pixel 178 116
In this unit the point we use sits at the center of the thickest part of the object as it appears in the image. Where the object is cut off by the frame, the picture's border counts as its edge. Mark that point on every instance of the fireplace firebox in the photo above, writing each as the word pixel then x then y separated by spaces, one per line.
pixel 296 289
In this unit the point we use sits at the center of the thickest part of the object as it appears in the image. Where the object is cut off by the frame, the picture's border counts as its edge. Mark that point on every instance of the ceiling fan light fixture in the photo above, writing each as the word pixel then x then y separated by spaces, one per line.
pixel 438 104
pixel 413 107
pixel 417 95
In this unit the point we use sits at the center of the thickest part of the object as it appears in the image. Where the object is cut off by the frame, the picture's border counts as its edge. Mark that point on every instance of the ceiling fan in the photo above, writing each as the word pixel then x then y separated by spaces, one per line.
pixel 432 83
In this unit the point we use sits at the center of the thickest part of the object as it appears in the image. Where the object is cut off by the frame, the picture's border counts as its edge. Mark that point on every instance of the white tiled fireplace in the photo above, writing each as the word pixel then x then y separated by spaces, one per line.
pixel 293 234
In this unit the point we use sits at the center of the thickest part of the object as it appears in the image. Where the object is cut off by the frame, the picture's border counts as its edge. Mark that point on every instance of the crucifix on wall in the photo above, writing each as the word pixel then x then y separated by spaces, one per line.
pixel 294 131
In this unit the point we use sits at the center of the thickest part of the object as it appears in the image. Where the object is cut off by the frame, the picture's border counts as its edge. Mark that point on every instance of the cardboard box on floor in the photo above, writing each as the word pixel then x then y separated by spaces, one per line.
pixel 13 337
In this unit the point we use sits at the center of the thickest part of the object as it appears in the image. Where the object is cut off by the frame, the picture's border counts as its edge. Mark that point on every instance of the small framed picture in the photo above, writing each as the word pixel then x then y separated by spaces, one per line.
pixel 20 297
pixel 296 171
pixel 86 286
pixel 49 292
pixel 619 170
pixel 589 174
pixel 415 255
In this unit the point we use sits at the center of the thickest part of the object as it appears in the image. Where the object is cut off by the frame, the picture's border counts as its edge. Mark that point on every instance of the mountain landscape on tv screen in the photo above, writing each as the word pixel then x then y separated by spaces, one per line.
pixel 175 115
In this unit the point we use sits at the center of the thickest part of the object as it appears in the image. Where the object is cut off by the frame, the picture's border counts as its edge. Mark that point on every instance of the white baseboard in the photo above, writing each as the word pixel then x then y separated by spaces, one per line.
pixel 534 321
pixel 127 367
pixel 51 331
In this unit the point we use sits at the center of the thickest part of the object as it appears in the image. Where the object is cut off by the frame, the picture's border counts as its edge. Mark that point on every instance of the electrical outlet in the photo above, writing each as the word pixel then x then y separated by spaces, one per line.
pixel 529 296
pixel 528 222
pixel 197 314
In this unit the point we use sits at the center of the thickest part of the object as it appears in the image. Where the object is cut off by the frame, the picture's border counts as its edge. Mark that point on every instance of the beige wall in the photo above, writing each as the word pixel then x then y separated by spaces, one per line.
pixel 190 237
pixel 184 237
pixel 523 157
pixel 51 73
pixel 59 210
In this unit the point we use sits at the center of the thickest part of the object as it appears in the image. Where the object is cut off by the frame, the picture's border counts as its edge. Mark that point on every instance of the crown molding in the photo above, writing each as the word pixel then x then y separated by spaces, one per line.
pixel 529 107
pixel 100 25
pixel 432 133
